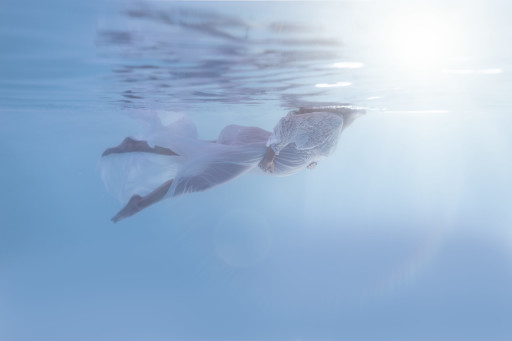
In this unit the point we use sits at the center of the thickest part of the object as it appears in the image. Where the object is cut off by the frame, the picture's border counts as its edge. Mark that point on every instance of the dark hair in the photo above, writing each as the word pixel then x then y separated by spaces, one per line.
pixel 332 109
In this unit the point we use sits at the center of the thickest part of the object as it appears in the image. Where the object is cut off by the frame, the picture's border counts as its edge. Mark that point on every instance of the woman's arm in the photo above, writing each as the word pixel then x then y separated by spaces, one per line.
pixel 267 163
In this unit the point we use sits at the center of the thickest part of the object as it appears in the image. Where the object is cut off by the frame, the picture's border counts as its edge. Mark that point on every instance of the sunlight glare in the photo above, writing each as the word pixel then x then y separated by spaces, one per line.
pixel 495 71
pixel 422 40
pixel 348 65
pixel 333 85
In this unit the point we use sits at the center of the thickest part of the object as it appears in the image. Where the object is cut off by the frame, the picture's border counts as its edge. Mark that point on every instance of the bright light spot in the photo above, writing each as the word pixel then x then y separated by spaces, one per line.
pixel 460 71
pixel 474 71
pixel 416 111
pixel 332 85
pixel 348 65
pixel 490 71
pixel 373 97
pixel 422 40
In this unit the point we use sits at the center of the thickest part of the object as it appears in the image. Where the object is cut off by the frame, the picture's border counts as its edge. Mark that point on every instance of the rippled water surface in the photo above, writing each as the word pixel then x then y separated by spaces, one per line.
pixel 404 233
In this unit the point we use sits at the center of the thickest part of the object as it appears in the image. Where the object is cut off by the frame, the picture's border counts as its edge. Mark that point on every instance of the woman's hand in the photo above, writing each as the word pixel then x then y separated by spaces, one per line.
pixel 312 165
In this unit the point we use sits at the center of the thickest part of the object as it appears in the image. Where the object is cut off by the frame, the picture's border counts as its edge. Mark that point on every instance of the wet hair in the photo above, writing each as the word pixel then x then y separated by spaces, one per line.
pixel 331 109
pixel 349 113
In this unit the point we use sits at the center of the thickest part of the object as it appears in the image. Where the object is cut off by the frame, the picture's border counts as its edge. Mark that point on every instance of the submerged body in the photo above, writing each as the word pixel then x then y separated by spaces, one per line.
pixel 173 161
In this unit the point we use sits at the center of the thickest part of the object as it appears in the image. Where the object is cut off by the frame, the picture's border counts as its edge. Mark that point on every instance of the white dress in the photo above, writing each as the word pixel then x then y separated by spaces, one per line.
pixel 297 140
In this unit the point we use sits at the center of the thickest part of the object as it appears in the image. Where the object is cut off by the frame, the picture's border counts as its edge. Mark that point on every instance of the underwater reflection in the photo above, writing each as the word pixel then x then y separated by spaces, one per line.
pixel 184 55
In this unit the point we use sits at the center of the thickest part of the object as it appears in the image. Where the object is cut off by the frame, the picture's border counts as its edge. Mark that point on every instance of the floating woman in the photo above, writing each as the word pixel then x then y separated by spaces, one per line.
pixel 171 160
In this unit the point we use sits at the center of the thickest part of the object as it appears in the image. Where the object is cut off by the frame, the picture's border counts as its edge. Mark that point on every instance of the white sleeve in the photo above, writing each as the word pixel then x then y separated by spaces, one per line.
pixel 283 134
pixel 307 131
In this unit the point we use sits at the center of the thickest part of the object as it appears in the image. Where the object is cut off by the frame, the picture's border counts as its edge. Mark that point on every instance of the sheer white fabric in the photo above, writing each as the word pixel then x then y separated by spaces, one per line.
pixel 301 139
pixel 200 164
pixel 298 140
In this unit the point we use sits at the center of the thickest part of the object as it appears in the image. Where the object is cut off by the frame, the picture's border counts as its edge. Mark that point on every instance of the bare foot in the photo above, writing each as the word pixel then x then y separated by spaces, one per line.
pixel 131 145
pixel 138 203
pixel 133 206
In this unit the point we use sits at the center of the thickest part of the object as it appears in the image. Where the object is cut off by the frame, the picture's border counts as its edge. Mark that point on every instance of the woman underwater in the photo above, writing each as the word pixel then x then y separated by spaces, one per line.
pixel 171 160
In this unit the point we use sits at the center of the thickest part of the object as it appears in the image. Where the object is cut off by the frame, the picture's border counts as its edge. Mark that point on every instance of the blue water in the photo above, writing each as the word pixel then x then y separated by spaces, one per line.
pixel 403 234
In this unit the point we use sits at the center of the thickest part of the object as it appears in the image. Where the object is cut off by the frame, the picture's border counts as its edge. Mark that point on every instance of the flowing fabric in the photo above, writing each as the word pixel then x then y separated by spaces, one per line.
pixel 200 164
pixel 297 140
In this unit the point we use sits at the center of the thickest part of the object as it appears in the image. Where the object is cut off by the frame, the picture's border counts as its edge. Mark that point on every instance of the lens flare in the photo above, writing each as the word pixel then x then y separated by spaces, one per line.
pixel 422 41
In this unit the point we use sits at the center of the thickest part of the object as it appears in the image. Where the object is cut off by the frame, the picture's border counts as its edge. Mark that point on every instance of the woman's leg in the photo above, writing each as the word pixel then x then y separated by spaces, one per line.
pixel 138 203
pixel 131 145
